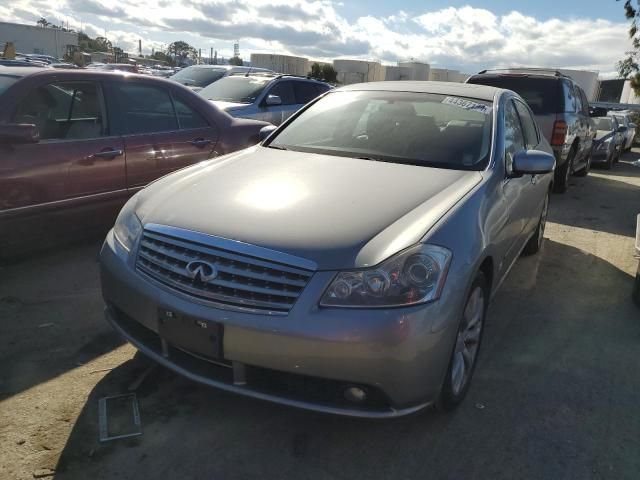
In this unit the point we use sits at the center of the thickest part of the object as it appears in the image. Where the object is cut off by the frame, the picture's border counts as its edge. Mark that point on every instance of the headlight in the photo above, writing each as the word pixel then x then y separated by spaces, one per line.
pixel 128 226
pixel 604 144
pixel 413 276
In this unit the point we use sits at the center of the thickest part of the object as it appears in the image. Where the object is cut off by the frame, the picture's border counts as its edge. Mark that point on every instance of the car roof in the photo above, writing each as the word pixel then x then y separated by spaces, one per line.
pixel 481 92
pixel 22 71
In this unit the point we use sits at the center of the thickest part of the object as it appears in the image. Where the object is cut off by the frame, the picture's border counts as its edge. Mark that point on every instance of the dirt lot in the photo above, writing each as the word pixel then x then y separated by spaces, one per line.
pixel 556 392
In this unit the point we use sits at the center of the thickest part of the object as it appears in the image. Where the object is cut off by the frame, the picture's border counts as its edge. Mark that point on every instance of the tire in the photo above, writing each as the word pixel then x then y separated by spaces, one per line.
pixel 609 163
pixel 585 171
pixel 563 174
pixel 465 351
pixel 618 155
pixel 534 244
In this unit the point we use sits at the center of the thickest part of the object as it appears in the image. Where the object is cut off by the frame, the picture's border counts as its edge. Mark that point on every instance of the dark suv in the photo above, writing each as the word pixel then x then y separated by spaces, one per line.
pixel 561 109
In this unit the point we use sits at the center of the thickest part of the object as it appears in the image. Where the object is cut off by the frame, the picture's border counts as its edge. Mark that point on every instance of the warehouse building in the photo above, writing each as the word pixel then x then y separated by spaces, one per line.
pixel 358 71
pixel 40 40
pixel 281 63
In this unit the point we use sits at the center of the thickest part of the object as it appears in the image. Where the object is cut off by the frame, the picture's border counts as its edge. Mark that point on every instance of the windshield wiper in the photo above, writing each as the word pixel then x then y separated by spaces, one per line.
pixel 277 147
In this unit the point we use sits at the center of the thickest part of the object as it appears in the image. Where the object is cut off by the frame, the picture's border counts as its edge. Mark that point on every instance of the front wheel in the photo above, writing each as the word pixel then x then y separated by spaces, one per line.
pixel 534 244
pixel 587 167
pixel 465 352
pixel 609 163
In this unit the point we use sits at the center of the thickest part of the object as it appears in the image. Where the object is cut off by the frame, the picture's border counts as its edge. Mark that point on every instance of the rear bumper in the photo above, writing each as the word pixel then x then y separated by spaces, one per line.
pixel 304 359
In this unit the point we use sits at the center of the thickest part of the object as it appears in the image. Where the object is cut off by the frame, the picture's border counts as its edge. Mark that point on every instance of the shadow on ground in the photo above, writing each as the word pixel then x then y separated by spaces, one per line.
pixel 555 396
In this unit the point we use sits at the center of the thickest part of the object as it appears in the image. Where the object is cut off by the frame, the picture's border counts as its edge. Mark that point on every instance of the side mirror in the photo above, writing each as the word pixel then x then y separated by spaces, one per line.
pixel 273 100
pixel 533 162
pixel 19 133
pixel 266 131
pixel 632 125
pixel 622 129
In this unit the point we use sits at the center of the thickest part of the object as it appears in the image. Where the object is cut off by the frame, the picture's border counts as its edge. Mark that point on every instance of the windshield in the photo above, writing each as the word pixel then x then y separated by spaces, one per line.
pixel 198 76
pixel 237 89
pixel 541 94
pixel 603 124
pixel 6 81
pixel 399 127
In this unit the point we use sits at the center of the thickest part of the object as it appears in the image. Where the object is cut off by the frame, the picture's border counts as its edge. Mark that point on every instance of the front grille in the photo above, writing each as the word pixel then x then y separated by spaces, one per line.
pixel 242 281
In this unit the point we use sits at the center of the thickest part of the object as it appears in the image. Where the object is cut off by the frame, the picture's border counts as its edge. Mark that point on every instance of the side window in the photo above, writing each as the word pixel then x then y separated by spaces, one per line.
pixel 528 125
pixel 187 117
pixel 65 111
pixel 322 88
pixel 305 92
pixel 585 102
pixel 284 90
pixel 569 97
pixel 513 136
pixel 145 109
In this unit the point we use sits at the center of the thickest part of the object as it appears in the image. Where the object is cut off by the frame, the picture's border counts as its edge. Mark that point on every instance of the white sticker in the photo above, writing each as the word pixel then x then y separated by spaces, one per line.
pixel 467 104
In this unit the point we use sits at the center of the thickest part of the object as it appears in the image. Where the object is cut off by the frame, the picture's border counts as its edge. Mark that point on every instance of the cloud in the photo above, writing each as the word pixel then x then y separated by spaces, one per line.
pixel 464 38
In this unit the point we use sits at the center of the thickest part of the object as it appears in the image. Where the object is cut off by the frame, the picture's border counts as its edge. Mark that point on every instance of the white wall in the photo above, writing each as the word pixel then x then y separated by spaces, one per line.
pixel 33 39
pixel 417 70
pixel 586 79
pixel 281 63
pixel 358 71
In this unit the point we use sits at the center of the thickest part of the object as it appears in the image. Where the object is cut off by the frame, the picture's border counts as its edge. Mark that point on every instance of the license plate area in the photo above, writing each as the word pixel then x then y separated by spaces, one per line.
pixel 192 334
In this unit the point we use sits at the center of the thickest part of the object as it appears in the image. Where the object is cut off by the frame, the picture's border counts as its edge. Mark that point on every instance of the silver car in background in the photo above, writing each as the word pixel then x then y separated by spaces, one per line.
pixel 197 77
pixel 345 265
pixel 268 97
pixel 623 118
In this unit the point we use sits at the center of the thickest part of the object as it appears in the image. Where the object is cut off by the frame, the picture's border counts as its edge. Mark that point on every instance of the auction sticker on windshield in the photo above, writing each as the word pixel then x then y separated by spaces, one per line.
pixel 467 104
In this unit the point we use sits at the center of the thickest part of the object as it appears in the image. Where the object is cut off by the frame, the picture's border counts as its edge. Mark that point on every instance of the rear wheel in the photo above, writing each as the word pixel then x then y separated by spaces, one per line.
pixel 563 174
pixel 465 352
pixel 587 167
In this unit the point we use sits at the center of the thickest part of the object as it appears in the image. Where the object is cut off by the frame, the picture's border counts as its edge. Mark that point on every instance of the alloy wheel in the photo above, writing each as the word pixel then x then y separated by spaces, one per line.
pixel 468 340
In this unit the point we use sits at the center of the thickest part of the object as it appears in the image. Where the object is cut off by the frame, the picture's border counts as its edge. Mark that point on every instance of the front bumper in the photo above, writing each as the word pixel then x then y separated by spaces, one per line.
pixel 303 359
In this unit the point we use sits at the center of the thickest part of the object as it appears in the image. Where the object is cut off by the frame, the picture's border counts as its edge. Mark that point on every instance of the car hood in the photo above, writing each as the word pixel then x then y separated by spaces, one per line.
pixel 337 212
pixel 228 105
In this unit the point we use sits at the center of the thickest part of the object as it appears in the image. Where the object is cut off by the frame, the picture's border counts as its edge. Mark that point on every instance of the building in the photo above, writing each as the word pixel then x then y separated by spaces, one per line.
pixel 358 71
pixel 446 75
pixel 281 63
pixel 40 40
pixel 407 71
pixel 588 80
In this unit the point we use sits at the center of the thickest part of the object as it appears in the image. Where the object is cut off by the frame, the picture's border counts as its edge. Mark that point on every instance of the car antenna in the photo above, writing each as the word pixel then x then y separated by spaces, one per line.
pixel 248 71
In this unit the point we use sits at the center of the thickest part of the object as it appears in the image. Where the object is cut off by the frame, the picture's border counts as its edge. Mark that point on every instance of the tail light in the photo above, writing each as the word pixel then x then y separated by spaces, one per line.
pixel 559 134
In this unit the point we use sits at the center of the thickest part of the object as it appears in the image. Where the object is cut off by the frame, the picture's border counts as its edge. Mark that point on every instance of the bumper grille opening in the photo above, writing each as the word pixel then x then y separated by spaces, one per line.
pixel 241 280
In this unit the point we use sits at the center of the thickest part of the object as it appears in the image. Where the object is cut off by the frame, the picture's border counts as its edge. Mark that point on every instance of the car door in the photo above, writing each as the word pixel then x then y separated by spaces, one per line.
pixel 147 122
pixel 276 114
pixel 518 191
pixel 196 138
pixel 76 168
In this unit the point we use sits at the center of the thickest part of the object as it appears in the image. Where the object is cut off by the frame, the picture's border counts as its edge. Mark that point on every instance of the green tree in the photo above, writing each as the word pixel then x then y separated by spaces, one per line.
pixel 163 57
pixel 628 67
pixel 182 51
pixel 236 61
pixel 324 72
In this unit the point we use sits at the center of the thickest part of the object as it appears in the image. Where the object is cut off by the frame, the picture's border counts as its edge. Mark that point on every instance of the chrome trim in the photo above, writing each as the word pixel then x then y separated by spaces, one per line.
pixel 162 251
pixel 247 392
pixel 234 245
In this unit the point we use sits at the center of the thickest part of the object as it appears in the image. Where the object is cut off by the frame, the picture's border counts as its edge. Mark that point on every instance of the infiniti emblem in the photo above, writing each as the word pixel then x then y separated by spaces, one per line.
pixel 201 270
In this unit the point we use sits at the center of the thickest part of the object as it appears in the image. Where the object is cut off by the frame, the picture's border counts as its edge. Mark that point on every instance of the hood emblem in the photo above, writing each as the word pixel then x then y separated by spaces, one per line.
pixel 203 271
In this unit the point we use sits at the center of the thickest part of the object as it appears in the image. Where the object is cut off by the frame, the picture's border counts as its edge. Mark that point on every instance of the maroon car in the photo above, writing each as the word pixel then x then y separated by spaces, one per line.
pixel 74 145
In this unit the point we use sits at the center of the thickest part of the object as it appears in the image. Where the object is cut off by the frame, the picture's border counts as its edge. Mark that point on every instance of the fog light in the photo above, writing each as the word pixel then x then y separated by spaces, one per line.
pixel 355 394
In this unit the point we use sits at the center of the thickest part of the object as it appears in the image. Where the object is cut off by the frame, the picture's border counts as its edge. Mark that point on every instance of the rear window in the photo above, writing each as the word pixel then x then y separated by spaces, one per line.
pixel 603 123
pixel 541 94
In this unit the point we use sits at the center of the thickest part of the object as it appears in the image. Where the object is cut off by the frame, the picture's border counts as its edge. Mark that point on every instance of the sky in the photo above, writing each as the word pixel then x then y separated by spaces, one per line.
pixel 462 35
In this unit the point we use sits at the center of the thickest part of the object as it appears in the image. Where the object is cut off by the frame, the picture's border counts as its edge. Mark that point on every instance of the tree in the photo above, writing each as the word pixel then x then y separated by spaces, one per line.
pixel 324 72
pixel 163 57
pixel 236 61
pixel 628 67
pixel 181 51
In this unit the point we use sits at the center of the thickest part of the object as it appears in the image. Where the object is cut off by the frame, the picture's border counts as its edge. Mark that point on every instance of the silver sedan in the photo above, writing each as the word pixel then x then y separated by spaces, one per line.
pixel 346 263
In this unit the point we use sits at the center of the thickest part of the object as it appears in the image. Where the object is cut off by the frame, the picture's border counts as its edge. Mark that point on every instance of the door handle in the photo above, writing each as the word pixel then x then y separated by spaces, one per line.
pixel 107 154
pixel 200 142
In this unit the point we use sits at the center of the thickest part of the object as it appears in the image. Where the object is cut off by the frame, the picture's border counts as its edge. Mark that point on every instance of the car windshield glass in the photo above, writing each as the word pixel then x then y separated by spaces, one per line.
pixel 237 89
pixel 198 76
pixel 398 127
pixel 603 124
pixel 6 81
pixel 542 94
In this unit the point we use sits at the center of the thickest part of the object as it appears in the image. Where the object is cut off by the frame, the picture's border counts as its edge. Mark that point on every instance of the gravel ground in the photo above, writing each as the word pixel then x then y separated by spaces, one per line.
pixel 555 395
